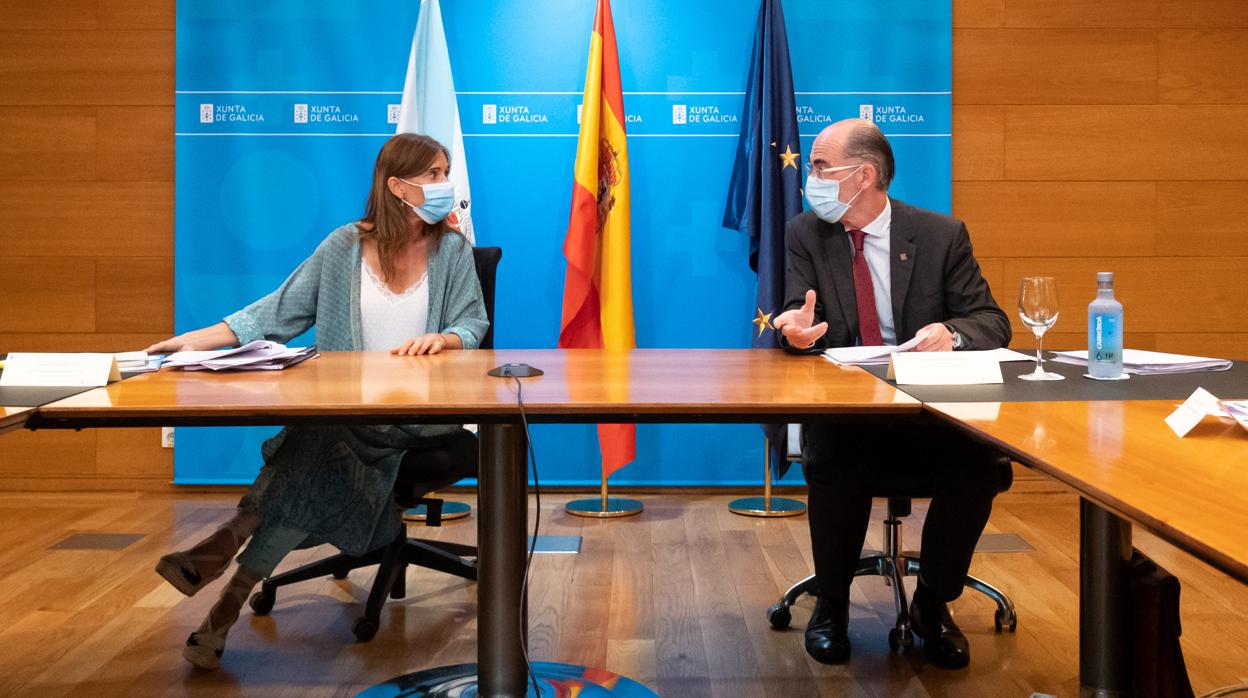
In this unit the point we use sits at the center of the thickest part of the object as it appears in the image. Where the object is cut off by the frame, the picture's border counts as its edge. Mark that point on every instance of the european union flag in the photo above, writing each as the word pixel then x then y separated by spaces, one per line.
pixel 766 187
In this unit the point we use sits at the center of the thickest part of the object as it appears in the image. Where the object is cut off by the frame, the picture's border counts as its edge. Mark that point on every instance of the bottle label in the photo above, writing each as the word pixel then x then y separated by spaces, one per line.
pixel 1104 333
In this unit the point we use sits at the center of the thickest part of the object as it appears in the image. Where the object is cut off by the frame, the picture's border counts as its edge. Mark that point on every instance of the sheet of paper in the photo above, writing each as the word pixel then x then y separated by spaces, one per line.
pixel 53 369
pixel 944 368
pixel 865 356
pixel 1003 355
pixel 1183 419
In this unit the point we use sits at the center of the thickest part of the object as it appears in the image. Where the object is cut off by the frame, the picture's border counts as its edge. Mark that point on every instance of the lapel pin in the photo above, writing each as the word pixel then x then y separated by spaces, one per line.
pixel 904 256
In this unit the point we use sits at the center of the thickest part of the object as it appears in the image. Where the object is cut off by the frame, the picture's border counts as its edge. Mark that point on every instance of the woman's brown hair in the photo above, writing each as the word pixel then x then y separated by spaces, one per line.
pixel 405 155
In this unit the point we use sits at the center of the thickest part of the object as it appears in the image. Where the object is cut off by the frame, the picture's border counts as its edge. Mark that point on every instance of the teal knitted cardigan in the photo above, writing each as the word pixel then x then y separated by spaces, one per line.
pixel 325 290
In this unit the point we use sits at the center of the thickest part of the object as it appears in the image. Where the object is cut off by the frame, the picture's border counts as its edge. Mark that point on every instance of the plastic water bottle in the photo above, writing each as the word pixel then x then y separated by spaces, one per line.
pixel 1105 330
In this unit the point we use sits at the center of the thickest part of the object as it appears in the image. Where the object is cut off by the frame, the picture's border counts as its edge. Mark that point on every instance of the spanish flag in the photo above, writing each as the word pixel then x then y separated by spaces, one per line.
pixel 597 291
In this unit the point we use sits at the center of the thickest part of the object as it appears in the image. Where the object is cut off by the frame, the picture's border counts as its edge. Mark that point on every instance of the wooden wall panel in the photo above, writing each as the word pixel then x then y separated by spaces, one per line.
pixel 978 143
pixel 978 13
pixel 1081 13
pixel 1056 219
pixel 78 341
pixel 47 454
pixel 1202 218
pixel 1054 66
pixel 47 295
pixel 89 219
pixel 132 294
pixel 1203 67
pixel 1116 143
pixel 41 143
pixel 86 67
pixel 134 144
pixel 1202 14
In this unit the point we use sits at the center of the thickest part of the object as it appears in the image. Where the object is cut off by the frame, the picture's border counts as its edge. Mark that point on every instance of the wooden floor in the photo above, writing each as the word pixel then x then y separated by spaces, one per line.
pixel 674 598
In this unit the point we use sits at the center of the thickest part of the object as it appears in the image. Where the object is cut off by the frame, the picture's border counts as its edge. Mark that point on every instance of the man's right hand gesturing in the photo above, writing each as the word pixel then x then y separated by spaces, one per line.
pixel 796 324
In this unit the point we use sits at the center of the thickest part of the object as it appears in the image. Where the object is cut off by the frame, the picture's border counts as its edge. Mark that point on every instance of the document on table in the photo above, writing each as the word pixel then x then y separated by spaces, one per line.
pixel 869 355
pixel 1203 404
pixel 259 355
pixel 1140 362
pixel 944 368
pixel 39 369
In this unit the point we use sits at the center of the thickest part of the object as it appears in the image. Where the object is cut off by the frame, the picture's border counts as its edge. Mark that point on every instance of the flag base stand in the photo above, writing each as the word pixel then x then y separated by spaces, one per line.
pixel 553 680
pixel 766 506
pixel 599 508
pixel 604 507
pixel 450 512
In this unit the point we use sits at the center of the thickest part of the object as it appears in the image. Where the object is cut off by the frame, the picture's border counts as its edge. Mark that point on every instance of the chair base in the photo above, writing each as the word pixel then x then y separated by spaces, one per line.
pixel 894 565
pixel 391 579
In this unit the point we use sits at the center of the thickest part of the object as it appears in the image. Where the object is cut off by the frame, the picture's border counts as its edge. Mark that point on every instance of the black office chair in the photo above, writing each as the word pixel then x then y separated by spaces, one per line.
pixel 455 454
pixel 893 564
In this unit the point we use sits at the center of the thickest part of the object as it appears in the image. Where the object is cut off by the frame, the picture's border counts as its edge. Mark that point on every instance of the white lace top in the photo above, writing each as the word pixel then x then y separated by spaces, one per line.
pixel 388 319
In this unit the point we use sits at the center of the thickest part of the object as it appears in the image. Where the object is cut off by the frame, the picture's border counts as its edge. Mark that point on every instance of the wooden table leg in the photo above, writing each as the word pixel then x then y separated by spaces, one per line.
pixel 502 508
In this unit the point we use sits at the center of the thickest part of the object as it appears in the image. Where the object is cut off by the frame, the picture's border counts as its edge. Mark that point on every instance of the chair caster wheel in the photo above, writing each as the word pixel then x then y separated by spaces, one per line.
pixel 900 640
pixel 364 629
pixel 779 616
pixel 340 573
pixel 1002 619
pixel 262 602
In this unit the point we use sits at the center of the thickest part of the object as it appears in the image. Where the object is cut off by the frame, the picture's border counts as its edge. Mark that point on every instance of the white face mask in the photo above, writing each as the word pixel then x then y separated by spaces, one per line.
pixel 824 196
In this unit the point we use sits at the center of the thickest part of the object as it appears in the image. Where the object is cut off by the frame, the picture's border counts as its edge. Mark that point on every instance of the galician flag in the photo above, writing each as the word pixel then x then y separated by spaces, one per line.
pixel 598 291
pixel 429 105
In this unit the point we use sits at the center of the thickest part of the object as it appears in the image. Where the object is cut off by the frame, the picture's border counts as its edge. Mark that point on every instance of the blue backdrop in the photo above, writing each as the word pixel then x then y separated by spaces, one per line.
pixel 282 105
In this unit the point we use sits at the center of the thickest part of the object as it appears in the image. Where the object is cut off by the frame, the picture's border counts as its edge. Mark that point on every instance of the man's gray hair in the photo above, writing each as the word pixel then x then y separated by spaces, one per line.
pixel 867 143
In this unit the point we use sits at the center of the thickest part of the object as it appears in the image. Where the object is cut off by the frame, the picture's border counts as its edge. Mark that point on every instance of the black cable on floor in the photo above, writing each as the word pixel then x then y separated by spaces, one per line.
pixel 537 521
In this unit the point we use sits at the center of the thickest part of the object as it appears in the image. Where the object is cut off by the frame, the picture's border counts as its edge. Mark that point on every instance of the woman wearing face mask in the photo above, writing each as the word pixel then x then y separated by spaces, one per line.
pixel 399 279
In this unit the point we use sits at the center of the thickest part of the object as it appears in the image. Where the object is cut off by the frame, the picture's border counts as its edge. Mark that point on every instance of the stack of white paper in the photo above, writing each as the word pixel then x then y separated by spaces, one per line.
pixel 878 356
pixel 1144 363
pixel 138 361
pixel 867 356
pixel 259 355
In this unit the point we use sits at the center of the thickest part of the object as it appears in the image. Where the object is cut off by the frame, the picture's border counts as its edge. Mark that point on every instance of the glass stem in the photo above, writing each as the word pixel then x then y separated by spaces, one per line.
pixel 1040 353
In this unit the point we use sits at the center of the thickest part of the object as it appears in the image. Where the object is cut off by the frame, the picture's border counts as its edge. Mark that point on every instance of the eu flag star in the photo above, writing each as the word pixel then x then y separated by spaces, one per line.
pixel 763 322
pixel 789 158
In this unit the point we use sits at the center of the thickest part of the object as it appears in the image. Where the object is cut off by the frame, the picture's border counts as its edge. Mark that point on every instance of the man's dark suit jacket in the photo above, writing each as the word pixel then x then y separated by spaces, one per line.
pixel 935 278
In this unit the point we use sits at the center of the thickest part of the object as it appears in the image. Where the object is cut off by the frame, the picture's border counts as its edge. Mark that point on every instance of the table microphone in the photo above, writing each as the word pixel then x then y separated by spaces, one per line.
pixel 515 370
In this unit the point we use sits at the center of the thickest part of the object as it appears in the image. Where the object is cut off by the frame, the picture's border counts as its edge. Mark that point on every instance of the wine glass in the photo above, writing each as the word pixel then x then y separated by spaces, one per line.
pixel 1037 306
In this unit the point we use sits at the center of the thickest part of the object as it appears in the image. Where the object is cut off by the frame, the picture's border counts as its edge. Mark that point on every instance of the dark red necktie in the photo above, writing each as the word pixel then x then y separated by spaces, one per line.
pixel 864 291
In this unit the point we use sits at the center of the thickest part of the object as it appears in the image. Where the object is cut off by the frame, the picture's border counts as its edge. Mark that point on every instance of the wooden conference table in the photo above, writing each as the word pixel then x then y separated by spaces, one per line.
pixel 657 386
pixel 1129 467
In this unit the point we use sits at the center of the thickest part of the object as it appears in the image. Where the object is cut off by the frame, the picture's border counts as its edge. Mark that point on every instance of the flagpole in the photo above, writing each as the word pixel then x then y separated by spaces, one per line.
pixel 766 506
pixel 604 506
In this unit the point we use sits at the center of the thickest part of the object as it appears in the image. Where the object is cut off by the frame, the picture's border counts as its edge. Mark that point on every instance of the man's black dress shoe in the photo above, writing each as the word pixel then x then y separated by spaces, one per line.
pixel 827 634
pixel 943 643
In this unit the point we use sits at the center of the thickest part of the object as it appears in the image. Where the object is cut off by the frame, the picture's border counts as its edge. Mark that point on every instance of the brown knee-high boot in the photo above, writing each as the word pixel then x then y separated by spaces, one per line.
pixel 191 570
pixel 205 646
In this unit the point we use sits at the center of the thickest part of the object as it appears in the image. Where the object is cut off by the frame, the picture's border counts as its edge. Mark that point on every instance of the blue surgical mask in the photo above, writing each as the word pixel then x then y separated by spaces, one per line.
pixel 824 196
pixel 439 200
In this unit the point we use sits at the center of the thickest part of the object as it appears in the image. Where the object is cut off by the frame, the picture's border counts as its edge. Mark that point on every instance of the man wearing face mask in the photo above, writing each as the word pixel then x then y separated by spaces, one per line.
pixel 866 269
